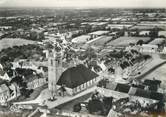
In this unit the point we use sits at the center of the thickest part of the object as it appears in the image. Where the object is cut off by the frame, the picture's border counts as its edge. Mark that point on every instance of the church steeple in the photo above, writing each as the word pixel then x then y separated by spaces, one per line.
pixel 54 70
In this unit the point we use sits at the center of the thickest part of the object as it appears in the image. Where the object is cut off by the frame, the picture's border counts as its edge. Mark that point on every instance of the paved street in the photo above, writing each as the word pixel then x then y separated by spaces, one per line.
pixel 45 95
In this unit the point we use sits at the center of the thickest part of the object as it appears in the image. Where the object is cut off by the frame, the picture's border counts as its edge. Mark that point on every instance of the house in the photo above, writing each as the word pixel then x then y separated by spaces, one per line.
pixel 4 93
pixel 98 33
pixel 5 27
pixel 144 33
pixel 153 84
pixel 124 88
pixel 77 79
pixel 134 91
pixel 122 73
pixel 1 34
pixel 114 34
pixel 35 82
pixel 25 64
pixel 164 50
pixel 149 48
pixel 15 91
pixel 145 93
pixel 119 26
pixel 3 74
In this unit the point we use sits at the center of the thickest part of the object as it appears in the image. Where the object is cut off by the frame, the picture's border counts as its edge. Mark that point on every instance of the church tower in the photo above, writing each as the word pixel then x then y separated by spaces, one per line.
pixel 54 70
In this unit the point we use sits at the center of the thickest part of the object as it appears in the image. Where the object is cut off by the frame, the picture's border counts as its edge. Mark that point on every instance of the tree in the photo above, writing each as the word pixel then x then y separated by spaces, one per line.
pixel 77 107
pixel 90 53
pixel 154 32
pixel 95 106
pixel 19 81
pixel 146 57
pixel 24 72
pixel 111 70
pixel 103 83
pixel 107 103
pixel 26 92
pixel 137 32
pixel 140 42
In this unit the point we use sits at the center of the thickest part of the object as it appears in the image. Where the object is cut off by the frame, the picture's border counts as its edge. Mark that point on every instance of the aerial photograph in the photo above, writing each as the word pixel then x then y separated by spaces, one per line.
pixel 82 58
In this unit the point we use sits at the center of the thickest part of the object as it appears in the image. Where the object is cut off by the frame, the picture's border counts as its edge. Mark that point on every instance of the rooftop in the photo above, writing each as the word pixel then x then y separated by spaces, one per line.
pixel 76 76
pixel 3 88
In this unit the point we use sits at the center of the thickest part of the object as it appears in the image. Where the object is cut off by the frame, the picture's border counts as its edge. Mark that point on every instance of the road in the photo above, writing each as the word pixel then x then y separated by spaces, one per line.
pixel 45 95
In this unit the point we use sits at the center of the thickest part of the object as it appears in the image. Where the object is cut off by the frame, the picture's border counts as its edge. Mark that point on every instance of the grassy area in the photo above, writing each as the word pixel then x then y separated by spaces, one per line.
pixel 158 74
pixel 100 41
pixel 157 41
pixel 124 41
pixel 10 42
pixel 30 51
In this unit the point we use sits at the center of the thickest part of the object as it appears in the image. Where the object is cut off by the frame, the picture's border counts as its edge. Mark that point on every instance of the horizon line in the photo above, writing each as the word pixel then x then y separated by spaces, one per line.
pixel 85 7
pixel 64 7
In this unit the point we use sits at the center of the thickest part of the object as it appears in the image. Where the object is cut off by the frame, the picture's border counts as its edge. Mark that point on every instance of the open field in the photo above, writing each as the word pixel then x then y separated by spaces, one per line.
pixel 124 41
pixel 146 25
pixel 100 41
pixel 157 41
pixel 10 42
pixel 158 74
pixel 142 27
pixel 81 39
pixel 162 33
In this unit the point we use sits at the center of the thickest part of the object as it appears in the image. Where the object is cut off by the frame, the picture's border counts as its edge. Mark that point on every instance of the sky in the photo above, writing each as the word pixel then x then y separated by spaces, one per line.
pixel 83 3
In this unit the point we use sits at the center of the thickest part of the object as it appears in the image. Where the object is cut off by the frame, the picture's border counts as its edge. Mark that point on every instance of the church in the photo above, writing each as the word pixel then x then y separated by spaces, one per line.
pixel 77 79
pixel 74 78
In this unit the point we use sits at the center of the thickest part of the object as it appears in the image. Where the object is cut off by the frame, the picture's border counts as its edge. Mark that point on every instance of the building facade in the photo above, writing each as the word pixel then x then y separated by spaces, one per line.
pixel 36 83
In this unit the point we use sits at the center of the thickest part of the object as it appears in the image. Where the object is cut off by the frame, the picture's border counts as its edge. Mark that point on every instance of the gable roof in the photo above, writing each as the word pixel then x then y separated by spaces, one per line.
pixel 76 76
pixel 111 85
pixel 156 96
pixel 151 82
pixel 142 93
pixel 3 88
pixel 122 88
pixel 132 91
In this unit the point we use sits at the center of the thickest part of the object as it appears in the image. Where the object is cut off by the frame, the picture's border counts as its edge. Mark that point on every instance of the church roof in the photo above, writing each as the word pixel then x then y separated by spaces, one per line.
pixel 76 76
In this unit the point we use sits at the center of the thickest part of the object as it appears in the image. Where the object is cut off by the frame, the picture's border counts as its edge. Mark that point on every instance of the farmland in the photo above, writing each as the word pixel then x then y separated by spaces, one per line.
pixel 150 25
pixel 124 41
pixel 100 41
pixel 155 74
pixel 10 42
pixel 157 41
